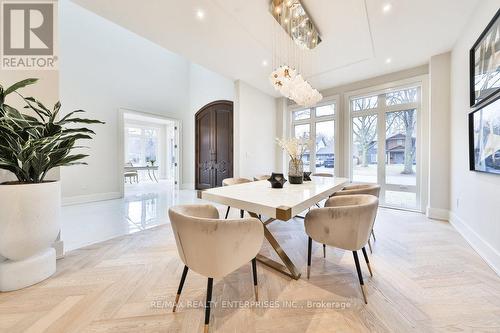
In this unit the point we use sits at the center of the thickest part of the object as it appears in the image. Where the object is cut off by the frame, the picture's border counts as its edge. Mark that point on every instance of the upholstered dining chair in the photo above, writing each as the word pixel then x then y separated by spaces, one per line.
pixel 234 181
pixel 261 177
pixel 322 174
pixel 372 189
pixel 213 247
pixel 345 222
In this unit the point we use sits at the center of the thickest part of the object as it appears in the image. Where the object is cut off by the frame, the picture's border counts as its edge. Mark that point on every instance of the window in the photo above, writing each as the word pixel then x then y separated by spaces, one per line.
pixel 364 103
pixel 302 114
pixel 141 144
pixel 318 125
pixel 384 144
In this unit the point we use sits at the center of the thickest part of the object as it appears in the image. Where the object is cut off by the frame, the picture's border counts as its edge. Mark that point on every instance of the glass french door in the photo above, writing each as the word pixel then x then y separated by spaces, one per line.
pixel 384 145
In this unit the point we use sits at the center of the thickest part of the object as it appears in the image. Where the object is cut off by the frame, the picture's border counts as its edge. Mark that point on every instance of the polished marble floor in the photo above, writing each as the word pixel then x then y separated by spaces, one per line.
pixel 144 205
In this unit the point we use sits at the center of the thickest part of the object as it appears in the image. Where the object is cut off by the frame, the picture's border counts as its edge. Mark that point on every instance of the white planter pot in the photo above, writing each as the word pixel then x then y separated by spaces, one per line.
pixel 29 224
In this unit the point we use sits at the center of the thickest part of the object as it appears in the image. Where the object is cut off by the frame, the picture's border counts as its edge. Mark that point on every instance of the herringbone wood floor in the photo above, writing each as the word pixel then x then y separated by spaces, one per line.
pixel 426 278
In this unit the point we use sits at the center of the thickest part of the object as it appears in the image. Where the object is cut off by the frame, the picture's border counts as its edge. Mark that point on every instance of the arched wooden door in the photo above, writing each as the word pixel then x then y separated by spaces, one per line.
pixel 214 144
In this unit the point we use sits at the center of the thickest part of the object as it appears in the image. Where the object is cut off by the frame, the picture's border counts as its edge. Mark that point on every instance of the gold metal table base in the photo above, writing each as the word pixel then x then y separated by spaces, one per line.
pixel 289 268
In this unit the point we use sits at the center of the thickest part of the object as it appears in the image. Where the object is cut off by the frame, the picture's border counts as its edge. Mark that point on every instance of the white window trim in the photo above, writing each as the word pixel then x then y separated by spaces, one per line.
pixel 312 120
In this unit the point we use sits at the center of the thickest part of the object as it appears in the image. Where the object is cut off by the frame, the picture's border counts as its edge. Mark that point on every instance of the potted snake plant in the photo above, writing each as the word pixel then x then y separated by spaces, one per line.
pixel 31 144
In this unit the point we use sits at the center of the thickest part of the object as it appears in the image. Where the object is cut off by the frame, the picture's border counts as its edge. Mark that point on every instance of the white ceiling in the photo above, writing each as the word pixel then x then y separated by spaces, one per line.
pixel 235 36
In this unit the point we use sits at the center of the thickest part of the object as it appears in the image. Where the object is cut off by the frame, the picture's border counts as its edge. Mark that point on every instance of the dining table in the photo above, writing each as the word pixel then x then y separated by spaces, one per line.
pixel 269 204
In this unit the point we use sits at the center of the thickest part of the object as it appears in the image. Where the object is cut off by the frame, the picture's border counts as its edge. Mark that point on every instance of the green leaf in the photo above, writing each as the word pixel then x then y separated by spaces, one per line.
pixel 31 146
pixel 19 85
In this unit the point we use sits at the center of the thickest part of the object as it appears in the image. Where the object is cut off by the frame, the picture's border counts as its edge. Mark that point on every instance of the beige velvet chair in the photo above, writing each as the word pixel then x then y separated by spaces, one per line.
pixel 372 189
pixel 234 181
pixel 213 247
pixel 345 223
pixel 321 174
pixel 261 177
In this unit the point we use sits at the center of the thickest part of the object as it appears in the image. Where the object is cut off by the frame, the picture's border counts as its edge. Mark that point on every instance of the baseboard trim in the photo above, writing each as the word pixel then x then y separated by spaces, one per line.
pixel 80 199
pixel 438 214
pixel 483 248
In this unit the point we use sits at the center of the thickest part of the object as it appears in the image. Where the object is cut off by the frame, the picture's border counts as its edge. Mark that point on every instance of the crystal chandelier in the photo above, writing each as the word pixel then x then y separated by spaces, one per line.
pixel 289 51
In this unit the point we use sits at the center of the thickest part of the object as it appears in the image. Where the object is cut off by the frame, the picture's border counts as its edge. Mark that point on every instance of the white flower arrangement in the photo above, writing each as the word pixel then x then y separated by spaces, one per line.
pixel 294 147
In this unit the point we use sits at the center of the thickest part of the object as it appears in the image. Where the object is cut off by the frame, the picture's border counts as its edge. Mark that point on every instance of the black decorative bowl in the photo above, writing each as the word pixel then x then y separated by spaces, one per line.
pixel 277 180
pixel 307 176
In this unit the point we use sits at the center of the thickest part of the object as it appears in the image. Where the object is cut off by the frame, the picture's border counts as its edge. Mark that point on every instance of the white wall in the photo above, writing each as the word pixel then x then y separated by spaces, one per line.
pixel 105 67
pixel 475 197
pixel 439 131
pixel 255 137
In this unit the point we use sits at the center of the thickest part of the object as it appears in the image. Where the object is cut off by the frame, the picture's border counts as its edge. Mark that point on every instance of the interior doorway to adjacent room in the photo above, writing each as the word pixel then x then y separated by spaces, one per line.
pixel 150 149
pixel 148 165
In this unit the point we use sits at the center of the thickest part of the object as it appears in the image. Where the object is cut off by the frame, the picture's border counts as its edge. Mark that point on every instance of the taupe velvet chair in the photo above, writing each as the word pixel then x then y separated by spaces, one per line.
pixel 213 247
pixel 321 174
pixel 372 189
pixel 261 177
pixel 234 181
pixel 345 222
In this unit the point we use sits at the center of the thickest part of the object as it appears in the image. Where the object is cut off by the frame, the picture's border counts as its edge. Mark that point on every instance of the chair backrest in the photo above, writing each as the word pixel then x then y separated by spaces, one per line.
pixel 261 177
pixel 214 247
pixel 372 189
pixel 321 174
pixel 345 222
pixel 234 181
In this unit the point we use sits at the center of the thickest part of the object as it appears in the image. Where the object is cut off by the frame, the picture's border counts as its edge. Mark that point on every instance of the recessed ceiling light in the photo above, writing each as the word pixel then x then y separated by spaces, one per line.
pixel 200 14
pixel 264 63
pixel 387 8
pixel 388 60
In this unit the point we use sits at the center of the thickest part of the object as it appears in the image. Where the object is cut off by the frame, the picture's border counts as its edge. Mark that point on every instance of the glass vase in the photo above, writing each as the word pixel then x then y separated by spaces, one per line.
pixel 296 171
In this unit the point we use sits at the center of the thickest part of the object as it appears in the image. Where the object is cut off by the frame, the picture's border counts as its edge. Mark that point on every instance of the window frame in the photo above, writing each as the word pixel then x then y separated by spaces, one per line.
pixel 381 111
pixel 143 137
pixel 311 121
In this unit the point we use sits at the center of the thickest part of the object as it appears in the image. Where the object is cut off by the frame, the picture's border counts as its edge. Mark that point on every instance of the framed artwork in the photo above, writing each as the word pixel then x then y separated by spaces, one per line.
pixel 484 60
pixel 484 137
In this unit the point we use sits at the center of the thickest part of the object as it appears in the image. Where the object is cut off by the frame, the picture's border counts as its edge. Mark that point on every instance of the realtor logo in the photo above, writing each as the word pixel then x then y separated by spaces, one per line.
pixel 28 35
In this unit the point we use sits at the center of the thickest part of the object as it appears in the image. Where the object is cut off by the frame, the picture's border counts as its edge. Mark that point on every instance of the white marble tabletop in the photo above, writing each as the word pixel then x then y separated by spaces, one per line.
pixel 283 204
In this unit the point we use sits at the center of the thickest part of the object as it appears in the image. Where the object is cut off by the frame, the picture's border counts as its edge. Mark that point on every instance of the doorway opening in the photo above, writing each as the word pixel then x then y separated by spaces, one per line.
pixel 148 166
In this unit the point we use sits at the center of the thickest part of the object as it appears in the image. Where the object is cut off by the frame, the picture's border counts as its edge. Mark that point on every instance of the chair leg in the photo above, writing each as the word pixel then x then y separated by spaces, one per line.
pixel 360 276
pixel 367 261
pixel 309 248
pixel 373 234
pixel 227 212
pixel 254 271
pixel 209 301
pixel 370 245
pixel 242 213
pixel 181 284
pixel 324 251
